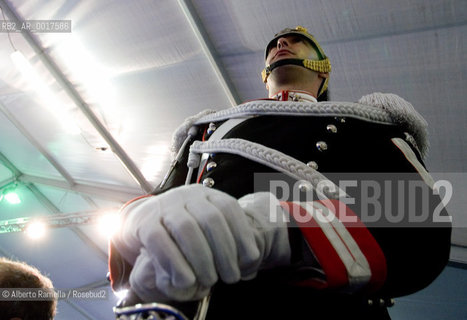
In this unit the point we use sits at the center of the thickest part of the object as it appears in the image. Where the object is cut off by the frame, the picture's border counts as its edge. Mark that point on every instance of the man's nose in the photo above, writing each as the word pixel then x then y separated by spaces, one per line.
pixel 282 42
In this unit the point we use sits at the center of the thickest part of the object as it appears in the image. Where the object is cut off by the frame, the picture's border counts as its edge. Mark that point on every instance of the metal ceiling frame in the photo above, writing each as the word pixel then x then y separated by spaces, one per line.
pixel 71 91
pixel 57 220
pixel 55 210
pixel 113 193
pixel 52 208
pixel 103 191
pixel 209 50
pixel 36 144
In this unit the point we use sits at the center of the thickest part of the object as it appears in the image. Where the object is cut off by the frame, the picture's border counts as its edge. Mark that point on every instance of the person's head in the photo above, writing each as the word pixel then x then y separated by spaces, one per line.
pixel 15 274
pixel 295 60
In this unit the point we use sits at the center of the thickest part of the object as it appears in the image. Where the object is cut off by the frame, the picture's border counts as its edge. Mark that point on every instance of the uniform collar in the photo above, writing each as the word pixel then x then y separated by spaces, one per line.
pixel 289 95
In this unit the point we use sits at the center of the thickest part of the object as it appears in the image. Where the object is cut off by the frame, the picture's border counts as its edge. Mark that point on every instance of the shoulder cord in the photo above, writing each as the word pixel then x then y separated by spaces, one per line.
pixel 292 108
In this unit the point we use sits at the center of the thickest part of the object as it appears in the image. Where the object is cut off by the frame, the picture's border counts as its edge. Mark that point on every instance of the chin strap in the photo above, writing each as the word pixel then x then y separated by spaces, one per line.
pixel 323 65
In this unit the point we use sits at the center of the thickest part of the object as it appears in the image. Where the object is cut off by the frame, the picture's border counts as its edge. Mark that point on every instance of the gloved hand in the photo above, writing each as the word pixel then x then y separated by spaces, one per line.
pixel 182 241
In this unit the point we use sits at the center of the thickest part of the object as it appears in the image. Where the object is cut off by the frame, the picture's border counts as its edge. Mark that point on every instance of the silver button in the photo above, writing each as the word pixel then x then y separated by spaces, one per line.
pixel 331 128
pixel 321 146
pixel 212 127
pixel 312 165
pixel 304 187
pixel 211 165
pixel 208 182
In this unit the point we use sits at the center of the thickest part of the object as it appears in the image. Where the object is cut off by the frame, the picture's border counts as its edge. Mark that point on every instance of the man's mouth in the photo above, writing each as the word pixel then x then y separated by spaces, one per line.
pixel 282 52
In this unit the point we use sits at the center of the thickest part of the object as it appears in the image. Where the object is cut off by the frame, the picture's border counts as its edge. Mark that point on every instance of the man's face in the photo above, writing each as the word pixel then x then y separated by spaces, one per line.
pixel 290 47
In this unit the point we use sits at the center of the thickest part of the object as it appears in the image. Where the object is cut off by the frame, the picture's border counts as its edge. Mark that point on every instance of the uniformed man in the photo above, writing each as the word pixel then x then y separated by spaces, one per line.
pixel 215 225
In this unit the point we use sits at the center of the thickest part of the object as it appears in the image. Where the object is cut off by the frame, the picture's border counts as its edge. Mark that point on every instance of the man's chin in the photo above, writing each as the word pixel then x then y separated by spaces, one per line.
pixel 287 69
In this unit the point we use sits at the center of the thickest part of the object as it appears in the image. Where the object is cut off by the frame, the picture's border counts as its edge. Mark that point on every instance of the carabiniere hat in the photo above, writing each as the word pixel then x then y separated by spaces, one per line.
pixel 321 65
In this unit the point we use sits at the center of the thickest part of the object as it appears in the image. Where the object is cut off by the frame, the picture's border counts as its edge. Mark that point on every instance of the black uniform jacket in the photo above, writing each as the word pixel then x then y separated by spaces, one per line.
pixel 339 147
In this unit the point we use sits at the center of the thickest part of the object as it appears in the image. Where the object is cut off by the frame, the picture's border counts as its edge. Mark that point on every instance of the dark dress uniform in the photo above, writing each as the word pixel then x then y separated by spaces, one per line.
pixel 338 146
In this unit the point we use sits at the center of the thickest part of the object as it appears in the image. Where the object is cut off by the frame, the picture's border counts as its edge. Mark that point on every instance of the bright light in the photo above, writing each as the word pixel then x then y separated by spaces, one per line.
pixel 35 229
pixel 48 98
pixel 88 71
pixel 108 224
pixel 12 197
pixel 121 294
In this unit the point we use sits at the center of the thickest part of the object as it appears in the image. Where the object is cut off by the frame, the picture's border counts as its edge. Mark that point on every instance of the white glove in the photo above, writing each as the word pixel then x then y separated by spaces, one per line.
pixel 182 241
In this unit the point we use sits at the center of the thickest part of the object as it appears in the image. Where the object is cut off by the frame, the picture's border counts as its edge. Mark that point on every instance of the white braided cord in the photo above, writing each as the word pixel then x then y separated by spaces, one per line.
pixel 382 108
pixel 292 108
pixel 273 159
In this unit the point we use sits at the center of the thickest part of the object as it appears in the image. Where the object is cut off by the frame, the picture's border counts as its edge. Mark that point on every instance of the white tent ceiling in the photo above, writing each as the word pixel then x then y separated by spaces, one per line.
pixel 129 72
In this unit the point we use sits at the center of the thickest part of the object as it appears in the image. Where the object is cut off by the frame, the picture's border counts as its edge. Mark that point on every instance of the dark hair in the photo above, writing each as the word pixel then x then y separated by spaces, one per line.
pixel 15 274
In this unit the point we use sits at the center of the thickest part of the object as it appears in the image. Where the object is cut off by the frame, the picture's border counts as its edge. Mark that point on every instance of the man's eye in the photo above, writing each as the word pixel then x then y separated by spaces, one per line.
pixel 296 39
pixel 272 45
